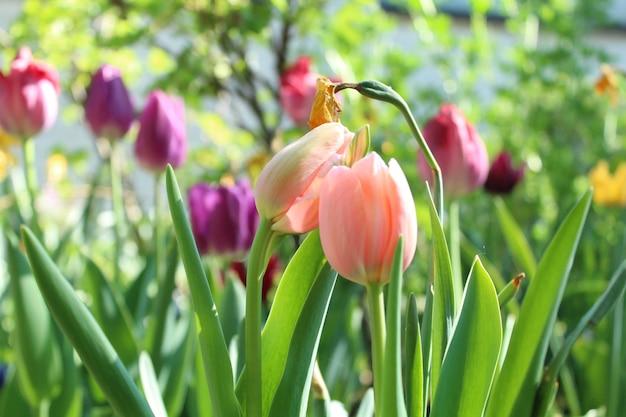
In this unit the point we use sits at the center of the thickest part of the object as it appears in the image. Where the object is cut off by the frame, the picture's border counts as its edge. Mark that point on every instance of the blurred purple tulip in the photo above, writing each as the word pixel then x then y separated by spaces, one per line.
pixel 29 96
pixel 502 177
pixel 458 149
pixel 162 138
pixel 108 107
pixel 224 219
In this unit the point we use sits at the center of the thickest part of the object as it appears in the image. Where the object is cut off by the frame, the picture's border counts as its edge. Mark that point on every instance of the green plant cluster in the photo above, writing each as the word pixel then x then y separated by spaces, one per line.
pixel 525 78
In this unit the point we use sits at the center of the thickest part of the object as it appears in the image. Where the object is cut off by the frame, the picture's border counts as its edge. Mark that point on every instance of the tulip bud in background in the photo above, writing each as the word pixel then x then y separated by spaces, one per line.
pixel 162 137
pixel 502 177
pixel 29 96
pixel 108 107
pixel 223 218
pixel 272 271
pixel 287 189
pixel 297 90
pixel 363 211
pixel 458 149
pixel 298 86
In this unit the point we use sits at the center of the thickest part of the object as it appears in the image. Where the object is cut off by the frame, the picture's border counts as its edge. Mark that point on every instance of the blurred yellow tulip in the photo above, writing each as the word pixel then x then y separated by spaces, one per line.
pixel 609 190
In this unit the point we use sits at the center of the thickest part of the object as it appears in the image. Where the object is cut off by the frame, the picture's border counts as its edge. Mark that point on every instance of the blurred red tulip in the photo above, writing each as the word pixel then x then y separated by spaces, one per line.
pixel 502 177
pixel 458 149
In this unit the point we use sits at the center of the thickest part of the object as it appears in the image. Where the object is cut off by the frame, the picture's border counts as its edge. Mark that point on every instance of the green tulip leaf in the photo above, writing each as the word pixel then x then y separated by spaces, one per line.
pixel 83 332
pixel 515 240
pixel 413 363
pixel 291 335
pixel 392 393
pixel 151 385
pixel 514 390
pixel 470 362
pixel 217 365
pixel 178 354
pixel 614 291
pixel 366 408
pixel 69 402
pixel 12 402
pixel 111 313
pixel 443 304
pixel 38 354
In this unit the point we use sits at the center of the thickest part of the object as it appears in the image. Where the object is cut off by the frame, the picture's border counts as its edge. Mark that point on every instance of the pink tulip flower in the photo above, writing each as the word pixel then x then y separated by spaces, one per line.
pixel 458 149
pixel 363 211
pixel 287 189
pixel 108 107
pixel 297 90
pixel 298 86
pixel 162 138
pixel 29 96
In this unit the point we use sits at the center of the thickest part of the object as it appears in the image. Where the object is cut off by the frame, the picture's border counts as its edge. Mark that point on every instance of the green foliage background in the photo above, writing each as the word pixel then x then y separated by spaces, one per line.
pixel 525 78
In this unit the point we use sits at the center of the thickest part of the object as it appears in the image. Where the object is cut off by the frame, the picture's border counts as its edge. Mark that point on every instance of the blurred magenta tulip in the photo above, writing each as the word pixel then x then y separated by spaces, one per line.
pixel 502 177
pixel 287 189
pixel 162 138
pixel 108 107
pixel 458 149
pixel 363 211
pixel 223 219
pixel 297 90
pixel 29 96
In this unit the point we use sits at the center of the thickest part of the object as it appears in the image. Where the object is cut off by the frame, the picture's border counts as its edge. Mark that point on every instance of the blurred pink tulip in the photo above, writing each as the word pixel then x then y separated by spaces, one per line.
pixel 459 151
pixel 502 177
pixel 287 189
pixel 363 211
pixel 297 91
pixel 162 137
pixel 298 86
pixel 108 107
pixel 29 96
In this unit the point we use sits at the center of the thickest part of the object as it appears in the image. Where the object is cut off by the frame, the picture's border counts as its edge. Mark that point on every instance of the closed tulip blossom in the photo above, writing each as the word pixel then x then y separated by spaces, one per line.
pixel 298 86
pixel 108 107
pixel 162 138
pixel 287 190
pixel 502 177
pixel 297 90
pixel 223 218
pixel 363 211
pixel 29 96
pixel 458 149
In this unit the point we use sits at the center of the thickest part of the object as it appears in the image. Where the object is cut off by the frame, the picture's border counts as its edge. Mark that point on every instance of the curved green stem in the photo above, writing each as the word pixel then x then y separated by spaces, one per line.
pixel 376 305
pixel 379 91
pixel 30 174
pixel 257 262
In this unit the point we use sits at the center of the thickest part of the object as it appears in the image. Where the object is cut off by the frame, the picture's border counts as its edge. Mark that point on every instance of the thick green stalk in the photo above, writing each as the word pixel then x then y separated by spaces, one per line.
pixel 376 305
pixel 257 262
pixel 455 252
pixel 117 199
